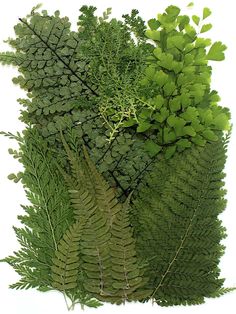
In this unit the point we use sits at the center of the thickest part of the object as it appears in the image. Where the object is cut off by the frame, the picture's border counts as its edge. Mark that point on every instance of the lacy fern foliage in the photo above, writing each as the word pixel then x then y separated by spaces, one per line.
pixel 123 156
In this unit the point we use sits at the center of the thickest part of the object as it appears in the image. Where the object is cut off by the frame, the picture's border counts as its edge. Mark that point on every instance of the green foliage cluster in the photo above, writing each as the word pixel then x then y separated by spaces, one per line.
pixel 181 107
pixel 96 87
pixel 123 155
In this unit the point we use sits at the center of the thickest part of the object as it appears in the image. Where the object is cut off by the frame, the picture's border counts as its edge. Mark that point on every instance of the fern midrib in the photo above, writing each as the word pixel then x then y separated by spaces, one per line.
pixel 59 58
pixel 63 275
pixel 101 272
pixel 181 246
pixel 125 272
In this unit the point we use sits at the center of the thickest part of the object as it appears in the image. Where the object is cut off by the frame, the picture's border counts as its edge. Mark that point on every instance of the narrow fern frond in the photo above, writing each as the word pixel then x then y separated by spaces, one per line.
pixel 66 261
pixel 105 195
pixel 75 168
pixel 222 291
pixel 78 168
pixel 126 272
pixel 18 137
pixel 45 219
pixel 11 58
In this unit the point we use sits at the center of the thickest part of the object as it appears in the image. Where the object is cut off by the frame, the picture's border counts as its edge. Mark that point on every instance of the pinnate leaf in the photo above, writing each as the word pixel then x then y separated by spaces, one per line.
pixel 190 5
pixel 152 34
pixel 170 151
pixel 184 143
pixel 161 78
pixel 173 10
pixel 189 130
pixel 222 122
pixel 210 135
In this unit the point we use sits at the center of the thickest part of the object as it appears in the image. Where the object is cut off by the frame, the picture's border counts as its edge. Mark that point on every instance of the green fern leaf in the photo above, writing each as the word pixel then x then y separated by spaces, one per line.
pixel 105 195
pixel 107 247
pixel 178 226
pixel 66 263
pixel 45 219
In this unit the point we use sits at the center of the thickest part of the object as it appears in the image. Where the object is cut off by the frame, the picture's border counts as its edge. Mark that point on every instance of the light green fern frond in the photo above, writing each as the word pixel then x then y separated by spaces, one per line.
pixel 45 219
pixel 126 271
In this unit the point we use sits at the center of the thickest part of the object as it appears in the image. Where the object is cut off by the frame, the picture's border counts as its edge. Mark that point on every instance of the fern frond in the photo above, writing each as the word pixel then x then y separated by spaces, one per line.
pixel 18 137
pixel 11 58
pixel 107 247
pixel 74 162
pixel 105 195
pixel 126 272
pixel 66 263
pixel 42 219
pixel 178 227
pixel 78 170
pixel 222 291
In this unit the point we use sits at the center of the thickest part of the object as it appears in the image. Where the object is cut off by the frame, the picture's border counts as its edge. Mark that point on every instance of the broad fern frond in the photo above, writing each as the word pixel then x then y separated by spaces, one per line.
pixel 178 227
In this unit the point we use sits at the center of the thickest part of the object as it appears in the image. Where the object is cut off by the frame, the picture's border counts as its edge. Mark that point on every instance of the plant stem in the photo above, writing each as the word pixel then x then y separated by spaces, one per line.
pixel 67 305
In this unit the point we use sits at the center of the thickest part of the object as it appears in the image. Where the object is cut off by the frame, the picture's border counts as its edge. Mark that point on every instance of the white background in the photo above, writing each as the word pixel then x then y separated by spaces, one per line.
pixel 12 195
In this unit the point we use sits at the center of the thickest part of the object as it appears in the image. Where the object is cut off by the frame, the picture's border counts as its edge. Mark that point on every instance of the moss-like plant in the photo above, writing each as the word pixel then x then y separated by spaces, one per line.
pixel 123 155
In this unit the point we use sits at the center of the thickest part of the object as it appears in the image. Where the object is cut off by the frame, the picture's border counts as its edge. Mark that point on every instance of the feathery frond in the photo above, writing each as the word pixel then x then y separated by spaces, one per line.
pixel 178 227
pixel 106 247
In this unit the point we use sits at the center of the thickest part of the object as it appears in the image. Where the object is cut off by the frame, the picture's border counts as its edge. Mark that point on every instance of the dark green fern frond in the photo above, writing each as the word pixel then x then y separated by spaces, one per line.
pixel 77 172
pixel 47 55
pixel 178 227
pixel 79 169
pixel 222 291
